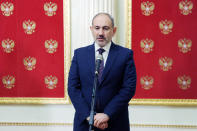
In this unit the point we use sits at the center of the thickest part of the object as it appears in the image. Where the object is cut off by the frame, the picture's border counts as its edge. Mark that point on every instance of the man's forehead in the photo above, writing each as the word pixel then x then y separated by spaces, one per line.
pixel 102 16
pixel 101 26
pixel 102 19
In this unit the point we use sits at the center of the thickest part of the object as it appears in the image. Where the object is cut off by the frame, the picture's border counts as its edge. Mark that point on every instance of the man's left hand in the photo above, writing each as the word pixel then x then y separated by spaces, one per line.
pixel 100 118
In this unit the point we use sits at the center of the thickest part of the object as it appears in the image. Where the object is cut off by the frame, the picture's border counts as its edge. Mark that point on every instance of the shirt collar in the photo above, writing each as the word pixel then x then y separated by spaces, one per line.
pixel 106 47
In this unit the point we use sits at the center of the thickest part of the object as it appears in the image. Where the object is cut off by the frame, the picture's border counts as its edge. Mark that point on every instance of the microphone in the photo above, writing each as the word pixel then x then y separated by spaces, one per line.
pixel 99 58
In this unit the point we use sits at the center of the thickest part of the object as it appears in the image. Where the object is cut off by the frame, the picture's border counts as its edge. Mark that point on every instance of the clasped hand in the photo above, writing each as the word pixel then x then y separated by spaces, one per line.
pixel 101 121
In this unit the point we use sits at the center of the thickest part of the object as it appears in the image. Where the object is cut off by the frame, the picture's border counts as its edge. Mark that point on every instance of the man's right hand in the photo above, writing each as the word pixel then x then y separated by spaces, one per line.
pixel 101 126
pixel 101 120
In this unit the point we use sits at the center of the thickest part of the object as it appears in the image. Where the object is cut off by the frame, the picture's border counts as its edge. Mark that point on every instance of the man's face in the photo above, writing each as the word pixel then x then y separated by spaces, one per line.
pixel 102 30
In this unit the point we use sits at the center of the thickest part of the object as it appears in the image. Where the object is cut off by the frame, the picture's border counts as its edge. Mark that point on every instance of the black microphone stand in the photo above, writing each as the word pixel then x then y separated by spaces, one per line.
pixel 92 112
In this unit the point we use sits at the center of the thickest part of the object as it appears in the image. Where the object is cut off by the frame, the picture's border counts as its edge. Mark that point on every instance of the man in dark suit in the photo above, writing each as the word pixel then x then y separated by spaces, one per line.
pixel 116 80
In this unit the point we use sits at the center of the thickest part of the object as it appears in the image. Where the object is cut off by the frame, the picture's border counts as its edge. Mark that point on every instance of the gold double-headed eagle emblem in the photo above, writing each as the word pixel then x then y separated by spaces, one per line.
pixel 184 82
pixel 147 8
pixel 29 26
pixel 29 63
pixel 8 45
pixel 147 45
pixel 147 82
pixel 185 7
pixel 51 81
pixel 7 8
pixel 184 45
pixel 50 8
pixel 166 26
pixel 165 63
pixel 51 46
pixel 8 81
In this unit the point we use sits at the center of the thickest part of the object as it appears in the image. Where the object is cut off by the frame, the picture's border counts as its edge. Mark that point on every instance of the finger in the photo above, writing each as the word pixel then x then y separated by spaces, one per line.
pixel 103 126
pixel 98 123
pixel 95 122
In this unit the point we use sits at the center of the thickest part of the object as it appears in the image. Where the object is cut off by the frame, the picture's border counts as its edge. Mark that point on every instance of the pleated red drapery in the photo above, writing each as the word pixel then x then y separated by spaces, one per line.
pixel 31 49
pixel 165 48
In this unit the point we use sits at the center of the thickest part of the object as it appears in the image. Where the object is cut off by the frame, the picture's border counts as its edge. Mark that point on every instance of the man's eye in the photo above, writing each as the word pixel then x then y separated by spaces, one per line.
pixel 106 28
pixel 96 28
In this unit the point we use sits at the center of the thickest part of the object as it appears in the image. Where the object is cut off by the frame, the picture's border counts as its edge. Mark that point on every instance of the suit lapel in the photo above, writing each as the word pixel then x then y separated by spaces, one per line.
pixel 91 59
pixel 111 58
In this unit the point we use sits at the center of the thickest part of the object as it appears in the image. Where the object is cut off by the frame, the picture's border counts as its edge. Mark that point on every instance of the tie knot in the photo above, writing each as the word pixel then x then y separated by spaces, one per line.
pixel 101 50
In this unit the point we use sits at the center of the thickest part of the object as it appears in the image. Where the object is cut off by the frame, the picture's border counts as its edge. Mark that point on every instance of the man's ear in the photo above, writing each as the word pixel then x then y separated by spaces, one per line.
pixel 114 30
pixel 91 28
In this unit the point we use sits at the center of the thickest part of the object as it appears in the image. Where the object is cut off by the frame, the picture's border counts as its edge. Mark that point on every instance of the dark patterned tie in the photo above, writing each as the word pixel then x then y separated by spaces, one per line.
pixel 101 50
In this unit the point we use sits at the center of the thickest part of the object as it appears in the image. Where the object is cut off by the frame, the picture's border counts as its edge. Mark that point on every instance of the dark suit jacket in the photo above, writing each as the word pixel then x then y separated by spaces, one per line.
pixel 117 87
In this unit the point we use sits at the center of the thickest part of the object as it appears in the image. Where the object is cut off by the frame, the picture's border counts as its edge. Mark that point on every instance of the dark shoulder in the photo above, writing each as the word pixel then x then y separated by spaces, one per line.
pixel 83 49
pixel 123 49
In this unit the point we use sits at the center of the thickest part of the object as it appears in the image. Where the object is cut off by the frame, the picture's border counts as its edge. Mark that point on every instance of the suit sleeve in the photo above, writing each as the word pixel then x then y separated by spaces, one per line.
pixel 127 90
pixel 74 90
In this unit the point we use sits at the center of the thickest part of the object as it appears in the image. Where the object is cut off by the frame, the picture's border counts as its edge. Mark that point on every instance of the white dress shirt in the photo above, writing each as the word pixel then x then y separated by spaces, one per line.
pixel 105 53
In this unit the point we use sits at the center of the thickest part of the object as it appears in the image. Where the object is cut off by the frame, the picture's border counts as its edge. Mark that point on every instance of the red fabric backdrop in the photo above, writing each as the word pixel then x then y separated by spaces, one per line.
pixel 31 48
pixel 164 40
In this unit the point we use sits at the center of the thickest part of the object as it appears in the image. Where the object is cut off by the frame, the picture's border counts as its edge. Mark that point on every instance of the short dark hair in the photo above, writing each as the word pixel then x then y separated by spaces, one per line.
pixel 102 13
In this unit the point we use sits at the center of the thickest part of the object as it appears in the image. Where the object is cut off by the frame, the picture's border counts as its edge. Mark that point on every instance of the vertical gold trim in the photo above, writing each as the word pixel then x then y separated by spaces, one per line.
pixel 128 24
pixel 67 60
pixel 67 46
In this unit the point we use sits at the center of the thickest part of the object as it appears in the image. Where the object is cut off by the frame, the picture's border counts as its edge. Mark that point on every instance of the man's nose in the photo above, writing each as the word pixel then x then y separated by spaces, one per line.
pixel 101 32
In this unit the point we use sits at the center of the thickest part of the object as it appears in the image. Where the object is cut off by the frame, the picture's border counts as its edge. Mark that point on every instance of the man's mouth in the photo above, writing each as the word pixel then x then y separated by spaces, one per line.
pixel 100 38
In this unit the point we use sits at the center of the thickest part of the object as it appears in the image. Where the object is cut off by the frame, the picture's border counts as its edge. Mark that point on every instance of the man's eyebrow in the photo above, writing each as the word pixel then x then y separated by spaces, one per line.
pixel 106 26
pixel 102 26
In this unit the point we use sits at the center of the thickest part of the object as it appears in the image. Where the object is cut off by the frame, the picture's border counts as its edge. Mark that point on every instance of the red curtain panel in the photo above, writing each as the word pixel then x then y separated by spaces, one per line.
pixel 31 49
pixel 164 40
